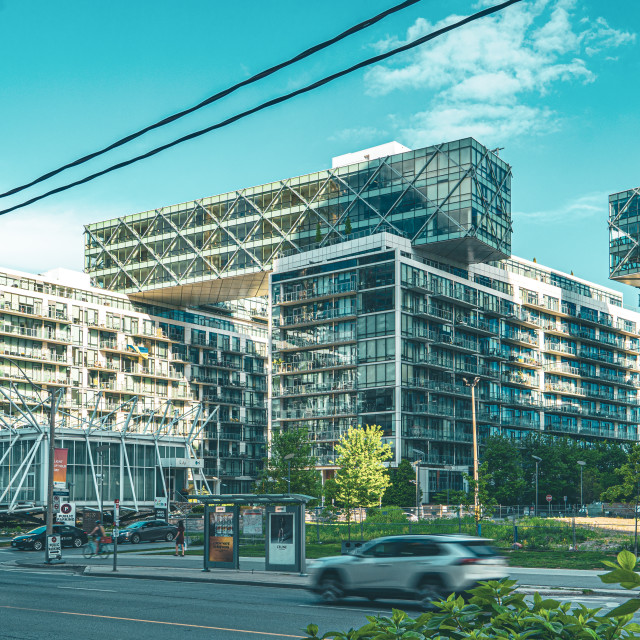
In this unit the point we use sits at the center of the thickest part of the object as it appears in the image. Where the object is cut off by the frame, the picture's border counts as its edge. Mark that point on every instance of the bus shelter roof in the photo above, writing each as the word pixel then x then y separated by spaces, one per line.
pixel 256 498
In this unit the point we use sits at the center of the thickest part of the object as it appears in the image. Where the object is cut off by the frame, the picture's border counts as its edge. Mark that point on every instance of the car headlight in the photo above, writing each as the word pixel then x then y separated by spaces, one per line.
pixel 29 540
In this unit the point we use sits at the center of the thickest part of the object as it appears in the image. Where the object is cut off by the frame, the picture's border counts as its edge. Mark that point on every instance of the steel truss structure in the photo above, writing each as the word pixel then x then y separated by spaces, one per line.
pixel 454 197
pixel 624 237
pixel 24 441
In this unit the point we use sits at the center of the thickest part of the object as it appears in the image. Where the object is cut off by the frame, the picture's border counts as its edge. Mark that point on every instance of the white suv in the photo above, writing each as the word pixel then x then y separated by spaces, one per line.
pixel 427 567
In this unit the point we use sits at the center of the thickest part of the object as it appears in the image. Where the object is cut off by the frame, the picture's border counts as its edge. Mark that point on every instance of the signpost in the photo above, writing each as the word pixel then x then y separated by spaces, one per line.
pixel 66 513
pixel 116 532
pixel 549 499
pixel 160 509
pixel 54 548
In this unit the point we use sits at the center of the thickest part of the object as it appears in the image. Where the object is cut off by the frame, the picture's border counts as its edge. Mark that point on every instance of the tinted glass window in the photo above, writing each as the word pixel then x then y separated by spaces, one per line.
pixel 419 548
pixel 381 550
pixel 480 549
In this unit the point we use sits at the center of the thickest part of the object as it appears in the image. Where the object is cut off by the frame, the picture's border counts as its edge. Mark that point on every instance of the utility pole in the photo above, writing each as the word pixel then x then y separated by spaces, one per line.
pixel 476 491
pixel 417 463
pixel 538 460
pixel 288 458
pixel 52 455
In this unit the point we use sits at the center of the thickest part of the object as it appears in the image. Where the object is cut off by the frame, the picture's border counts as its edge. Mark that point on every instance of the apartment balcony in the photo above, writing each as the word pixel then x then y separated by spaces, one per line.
pixel 439 387
pixel 423 335
pixel 564 349
pixel 338 289
pixel 435 361
pixel 608 359
pixel 329 435
pixel 335 386
pixel 430 312
pixel 565 389
pixel 222 364
pixel 520 337
pixel 459 296
pixel 521 422
pixel 316 364
pixel 36 333
pixel 520 378
pixel 520 401
pixel 525 360
pixel 314 318
pixel 294 343
pixel 420 284
pixel 314 412
pixel 563 368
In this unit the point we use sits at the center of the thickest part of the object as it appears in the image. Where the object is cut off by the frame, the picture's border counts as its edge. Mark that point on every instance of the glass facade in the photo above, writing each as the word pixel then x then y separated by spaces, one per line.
pixel 624 237
pixel 454 198
pixel 384 336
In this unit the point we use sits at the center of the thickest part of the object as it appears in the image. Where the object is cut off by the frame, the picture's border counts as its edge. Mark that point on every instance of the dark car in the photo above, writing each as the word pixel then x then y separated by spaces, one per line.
pixel 148 530
pixel 36 538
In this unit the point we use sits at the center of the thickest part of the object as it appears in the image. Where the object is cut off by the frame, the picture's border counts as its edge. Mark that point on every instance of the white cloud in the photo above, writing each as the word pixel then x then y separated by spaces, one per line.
pixel 357 133
pixel 587 206
pixel 45 237
pixel 486 79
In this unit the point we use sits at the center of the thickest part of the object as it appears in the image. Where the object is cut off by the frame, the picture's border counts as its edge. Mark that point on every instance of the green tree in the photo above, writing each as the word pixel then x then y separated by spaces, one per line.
pixel 402 488
pixel 628 475
pixel 318 233
pixel 362 478
pixel 347 226
pixel 504 462
pixel 305 478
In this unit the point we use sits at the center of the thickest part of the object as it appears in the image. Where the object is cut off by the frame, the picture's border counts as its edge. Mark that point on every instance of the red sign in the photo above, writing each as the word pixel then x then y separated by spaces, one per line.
pixel 60 467
pixel 549 498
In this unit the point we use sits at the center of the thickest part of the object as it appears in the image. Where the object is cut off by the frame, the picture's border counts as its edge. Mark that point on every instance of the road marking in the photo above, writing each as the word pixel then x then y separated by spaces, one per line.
pixel 88 589
pixel 171 624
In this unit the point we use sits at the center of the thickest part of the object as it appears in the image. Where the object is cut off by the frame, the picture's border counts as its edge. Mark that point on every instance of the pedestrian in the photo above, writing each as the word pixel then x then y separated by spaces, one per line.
pixel 97 535
pixel 180 538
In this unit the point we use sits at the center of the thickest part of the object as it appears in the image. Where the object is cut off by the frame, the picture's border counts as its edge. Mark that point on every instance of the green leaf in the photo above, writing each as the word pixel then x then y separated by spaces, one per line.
pixel 619 576
pixel 631 606
pixel 627 560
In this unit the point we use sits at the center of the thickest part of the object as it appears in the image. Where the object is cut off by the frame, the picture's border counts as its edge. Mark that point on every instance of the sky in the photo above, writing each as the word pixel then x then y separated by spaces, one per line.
pixel 552 82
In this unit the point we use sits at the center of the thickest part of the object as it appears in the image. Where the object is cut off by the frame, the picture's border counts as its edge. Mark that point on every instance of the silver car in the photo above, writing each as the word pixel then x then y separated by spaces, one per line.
pixel 422 567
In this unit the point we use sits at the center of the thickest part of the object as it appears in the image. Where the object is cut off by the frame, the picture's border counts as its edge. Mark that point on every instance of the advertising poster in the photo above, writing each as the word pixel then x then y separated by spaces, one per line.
pixel 60 467
pixel 221 537
pixel 281 539
pixel 252 522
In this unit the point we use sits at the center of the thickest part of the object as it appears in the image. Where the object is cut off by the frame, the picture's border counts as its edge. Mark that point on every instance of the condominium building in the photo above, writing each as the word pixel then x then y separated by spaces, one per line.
pixel 132 367
pixel 624 237
pixel 374 331
pixel 392 293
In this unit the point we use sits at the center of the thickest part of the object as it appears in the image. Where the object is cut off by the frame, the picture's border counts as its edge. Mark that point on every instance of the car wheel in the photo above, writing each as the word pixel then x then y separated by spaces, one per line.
pixel 428 591
pixel 77 542
pixel 331 589
pixel 169 537
pixel 37 545
pixel 135 538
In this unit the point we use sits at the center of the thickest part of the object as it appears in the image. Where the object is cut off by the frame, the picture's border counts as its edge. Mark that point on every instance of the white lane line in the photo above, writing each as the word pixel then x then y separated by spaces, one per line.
pixel 88 589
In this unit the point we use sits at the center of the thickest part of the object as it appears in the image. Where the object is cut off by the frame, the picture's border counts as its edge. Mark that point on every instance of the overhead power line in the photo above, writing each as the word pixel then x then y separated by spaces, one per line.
pixel 217 96
pixel 270 103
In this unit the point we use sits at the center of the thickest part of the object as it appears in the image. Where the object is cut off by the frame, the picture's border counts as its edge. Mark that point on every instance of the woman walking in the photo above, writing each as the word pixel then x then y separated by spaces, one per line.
pixel 180 538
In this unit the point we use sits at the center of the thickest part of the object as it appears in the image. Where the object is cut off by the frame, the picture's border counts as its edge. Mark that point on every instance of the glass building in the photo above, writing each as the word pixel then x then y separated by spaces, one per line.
pixel 453 199
pixel 378 333
pixel 624 237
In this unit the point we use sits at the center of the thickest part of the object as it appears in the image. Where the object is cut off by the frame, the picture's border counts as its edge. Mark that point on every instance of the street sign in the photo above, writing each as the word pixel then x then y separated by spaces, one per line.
pixel 63 493
pixel 54 549
pixel 549 498
pixel 565 498
pixel 56 504
pixel 116 512
pixel 67 513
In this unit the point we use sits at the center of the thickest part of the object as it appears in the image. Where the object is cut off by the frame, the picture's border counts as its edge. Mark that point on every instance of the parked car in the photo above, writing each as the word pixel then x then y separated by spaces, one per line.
pixel 36 538
pixel 147 530
pixel 422 567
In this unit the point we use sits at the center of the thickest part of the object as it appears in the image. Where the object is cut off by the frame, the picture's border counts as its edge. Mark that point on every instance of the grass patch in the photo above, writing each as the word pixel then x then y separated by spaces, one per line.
pixel 559 559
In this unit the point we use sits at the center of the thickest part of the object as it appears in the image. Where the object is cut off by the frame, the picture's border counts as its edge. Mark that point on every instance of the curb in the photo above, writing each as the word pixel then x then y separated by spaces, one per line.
pixel 43 565
pixel 197 578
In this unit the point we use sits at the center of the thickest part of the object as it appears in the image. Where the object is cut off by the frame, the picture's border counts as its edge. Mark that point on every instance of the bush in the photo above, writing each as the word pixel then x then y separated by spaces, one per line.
pixel 386 515
pixel 496 611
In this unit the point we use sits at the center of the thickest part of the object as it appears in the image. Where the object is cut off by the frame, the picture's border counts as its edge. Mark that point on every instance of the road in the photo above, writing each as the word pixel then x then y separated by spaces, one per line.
pixel 57 606
pixel 139 556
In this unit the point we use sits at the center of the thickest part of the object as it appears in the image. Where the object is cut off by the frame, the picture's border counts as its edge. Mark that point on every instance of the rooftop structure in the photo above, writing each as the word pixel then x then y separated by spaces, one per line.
pixel 624 237
pixel 452 199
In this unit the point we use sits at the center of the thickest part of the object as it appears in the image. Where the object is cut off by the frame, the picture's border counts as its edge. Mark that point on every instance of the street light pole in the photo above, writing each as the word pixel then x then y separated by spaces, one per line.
pixel 417 463
pixel 537 459
pixel 476 491
pixel 52 455
pixel 582 463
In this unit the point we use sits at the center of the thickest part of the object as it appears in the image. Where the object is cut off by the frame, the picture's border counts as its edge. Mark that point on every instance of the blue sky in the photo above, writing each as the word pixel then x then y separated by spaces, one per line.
pixel 551 81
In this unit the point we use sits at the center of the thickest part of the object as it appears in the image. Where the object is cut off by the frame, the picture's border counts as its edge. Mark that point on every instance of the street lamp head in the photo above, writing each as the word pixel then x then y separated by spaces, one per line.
pixel 582 463
pixel 536 458
pixel 289 456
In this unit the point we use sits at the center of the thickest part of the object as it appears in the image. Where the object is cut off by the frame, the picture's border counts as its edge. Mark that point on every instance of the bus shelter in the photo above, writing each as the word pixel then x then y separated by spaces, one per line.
pixel 284 529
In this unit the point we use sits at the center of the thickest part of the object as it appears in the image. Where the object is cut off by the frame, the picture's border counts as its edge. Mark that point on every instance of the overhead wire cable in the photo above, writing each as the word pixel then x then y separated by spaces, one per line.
pixel 218 96
pixel 270 103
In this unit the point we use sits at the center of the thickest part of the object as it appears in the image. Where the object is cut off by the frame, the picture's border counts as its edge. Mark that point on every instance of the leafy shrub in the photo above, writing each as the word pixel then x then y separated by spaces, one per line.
pixel 386 515
pixel 496 611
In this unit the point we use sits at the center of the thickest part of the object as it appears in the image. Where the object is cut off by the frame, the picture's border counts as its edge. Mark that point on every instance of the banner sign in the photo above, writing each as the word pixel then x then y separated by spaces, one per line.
pixel 54 547
pixel 282 549
pixel 160 508
pixel 252 522
pixel 60 467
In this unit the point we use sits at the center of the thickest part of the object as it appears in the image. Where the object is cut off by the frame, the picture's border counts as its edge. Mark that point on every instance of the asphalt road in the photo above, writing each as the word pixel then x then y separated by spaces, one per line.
pixel 138 555
pixel 38 604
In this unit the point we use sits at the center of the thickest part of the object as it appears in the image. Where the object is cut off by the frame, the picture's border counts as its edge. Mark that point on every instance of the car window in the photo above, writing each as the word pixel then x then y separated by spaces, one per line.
pixel 480 548
pixel 381 550
pixel 36 530
pixel 418 548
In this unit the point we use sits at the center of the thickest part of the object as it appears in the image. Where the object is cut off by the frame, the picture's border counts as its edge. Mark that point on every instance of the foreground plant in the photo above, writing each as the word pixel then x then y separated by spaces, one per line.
pixel 496 610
